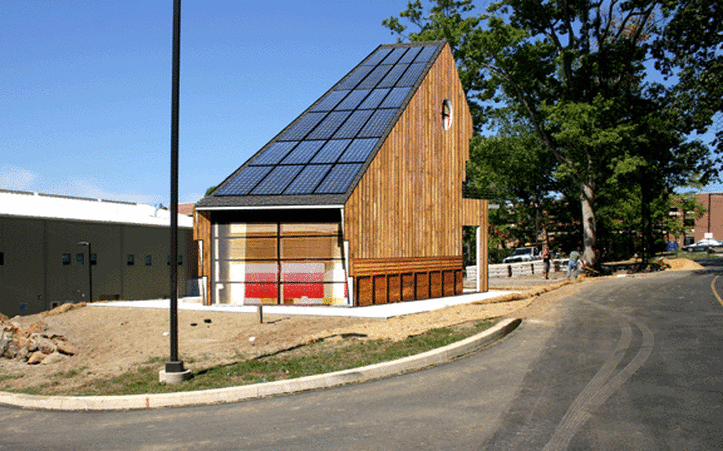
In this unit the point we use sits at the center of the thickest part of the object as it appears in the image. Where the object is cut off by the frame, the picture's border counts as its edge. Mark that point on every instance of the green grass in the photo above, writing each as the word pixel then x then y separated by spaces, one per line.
pixel 315 358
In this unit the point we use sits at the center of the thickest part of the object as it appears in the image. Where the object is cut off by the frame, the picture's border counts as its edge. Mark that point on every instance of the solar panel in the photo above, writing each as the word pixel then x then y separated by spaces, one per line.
pixel 395 98
pixel 377 74
pixel 324 150
pixel 394 56
pixel 277 180
pixel 303 153
pixel 329 126
pixel 353 99
pixel 338 179
pixel 331 151
pixel 374 99
pixel 354 78
pixel 244 181
pixel 377 124
pixel 274 153
pixel 352 126
pixel 393 75
pixel 302 127
pixel 411 76
pixel 308 179
pixel 409 56
pixel 359 150
pixel 329 102
pixel 377 57
pixel 426 54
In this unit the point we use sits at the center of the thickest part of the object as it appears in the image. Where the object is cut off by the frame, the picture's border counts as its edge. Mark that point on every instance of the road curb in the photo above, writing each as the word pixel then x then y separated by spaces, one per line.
pixel 240 393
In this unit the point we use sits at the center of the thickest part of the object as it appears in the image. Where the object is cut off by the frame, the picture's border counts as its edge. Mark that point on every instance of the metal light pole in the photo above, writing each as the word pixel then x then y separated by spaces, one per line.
pixel 174 365
pixel 90 271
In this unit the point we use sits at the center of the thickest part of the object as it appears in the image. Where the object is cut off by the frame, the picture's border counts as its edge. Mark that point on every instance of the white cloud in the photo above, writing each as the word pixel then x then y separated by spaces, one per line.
pixel 17 178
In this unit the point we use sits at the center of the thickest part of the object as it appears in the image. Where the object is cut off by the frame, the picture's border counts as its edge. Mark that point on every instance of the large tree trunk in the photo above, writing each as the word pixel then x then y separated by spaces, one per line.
pixel 589 227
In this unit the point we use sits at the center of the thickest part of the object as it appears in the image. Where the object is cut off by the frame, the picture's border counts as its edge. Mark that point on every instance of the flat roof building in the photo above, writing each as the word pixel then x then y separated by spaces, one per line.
pixel 43 264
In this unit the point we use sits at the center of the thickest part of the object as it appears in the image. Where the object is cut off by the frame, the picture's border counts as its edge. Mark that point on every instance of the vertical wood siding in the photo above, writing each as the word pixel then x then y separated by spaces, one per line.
pixel 404 219
pixel 409 201
pixel 202 232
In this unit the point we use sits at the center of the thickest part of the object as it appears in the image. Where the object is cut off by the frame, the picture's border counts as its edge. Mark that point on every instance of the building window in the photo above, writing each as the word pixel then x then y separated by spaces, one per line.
pixel 446 114
pixel 131 260
pixel 93 259
pixel 180 260
pixel 279 263
pixel 80 259
pixel 149 260
pixel 2 258
pixel 66 258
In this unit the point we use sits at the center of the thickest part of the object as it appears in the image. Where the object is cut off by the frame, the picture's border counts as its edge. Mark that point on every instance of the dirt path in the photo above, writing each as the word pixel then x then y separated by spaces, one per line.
pixel 112 340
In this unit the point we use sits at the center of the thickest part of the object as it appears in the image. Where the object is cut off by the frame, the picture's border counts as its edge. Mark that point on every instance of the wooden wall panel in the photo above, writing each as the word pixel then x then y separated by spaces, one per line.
pixel 409 202
pixel 380 289
pixel 364 291
pixel 395 288
pixel 408 287
pixel 421 289
pixel 202 232
pixel 435 284
pixel 448 283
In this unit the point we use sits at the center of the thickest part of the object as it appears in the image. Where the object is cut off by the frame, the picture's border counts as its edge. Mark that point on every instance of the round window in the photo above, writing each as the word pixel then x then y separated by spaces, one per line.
pixel 446 114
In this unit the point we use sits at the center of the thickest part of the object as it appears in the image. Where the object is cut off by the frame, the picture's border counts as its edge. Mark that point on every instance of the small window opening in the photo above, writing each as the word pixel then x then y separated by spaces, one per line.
pixel 446 114
pixel 66 258
pixel 149 260
pixel 80 259
pixel 131 260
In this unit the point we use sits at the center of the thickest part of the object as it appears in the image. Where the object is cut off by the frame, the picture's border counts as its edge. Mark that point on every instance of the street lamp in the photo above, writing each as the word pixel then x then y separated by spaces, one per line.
pixel 90 270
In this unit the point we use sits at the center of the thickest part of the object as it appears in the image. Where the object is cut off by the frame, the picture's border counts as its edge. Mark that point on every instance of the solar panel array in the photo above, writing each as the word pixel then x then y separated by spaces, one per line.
pixel 326 147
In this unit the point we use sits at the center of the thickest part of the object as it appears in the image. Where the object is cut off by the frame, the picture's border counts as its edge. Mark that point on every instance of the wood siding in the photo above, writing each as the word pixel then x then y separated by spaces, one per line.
pixel 476 213
pixel 409 201
pixel 404 219
pixel 202 232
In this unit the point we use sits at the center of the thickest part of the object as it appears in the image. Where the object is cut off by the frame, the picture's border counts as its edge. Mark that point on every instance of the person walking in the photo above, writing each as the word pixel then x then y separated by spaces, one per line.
pixel 572 263
pixel 546 261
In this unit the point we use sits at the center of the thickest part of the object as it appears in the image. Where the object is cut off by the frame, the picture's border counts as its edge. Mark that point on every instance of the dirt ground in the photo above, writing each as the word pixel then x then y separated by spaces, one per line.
pixel 112 340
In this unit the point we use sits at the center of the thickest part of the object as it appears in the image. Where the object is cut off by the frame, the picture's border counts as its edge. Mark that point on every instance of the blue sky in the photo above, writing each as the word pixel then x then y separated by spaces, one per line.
pixel 86 87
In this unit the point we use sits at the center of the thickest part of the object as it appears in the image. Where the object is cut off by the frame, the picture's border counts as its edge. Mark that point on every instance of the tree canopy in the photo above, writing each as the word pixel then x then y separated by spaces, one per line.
pixel 579 75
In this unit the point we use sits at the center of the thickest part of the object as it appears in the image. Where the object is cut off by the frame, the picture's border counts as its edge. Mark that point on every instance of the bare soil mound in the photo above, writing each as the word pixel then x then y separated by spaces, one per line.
pixel 679 264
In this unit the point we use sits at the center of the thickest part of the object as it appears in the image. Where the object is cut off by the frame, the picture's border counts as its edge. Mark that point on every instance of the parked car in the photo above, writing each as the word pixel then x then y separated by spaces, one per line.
pixel 703 245
pixel 523 254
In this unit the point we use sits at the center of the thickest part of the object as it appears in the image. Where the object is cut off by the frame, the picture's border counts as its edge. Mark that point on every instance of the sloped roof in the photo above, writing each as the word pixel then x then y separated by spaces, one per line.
pixel 321 156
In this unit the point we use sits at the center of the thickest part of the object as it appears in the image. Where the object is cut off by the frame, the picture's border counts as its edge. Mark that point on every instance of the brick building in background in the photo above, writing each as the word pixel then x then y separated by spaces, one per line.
pixel 711 222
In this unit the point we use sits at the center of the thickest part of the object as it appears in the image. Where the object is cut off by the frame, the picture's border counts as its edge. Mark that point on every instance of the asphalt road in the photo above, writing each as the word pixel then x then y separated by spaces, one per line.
pixel 624 363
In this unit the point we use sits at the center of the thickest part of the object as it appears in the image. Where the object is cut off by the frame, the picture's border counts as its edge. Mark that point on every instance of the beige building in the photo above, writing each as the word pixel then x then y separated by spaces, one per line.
pixel 42 264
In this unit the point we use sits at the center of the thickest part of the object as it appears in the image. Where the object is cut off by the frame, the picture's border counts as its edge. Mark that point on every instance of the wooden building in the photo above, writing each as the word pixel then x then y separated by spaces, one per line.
pixel 356 202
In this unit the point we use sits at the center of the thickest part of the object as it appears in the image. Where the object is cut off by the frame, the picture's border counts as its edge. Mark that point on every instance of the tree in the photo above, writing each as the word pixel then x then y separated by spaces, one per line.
pixel 575 71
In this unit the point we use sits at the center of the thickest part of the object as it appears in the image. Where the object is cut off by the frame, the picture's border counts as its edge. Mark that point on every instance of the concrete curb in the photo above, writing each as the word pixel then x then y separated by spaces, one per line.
pixel 234 394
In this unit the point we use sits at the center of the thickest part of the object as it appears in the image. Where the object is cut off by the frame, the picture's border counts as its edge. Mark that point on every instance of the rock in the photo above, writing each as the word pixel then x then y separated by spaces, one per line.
pixel 66 348
pixel 22 354
pixel 4 345
pixel 31 342
pixel 11 350
pixel 53 358
pixel 35 358
pixel 31 329
pixel 46 345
